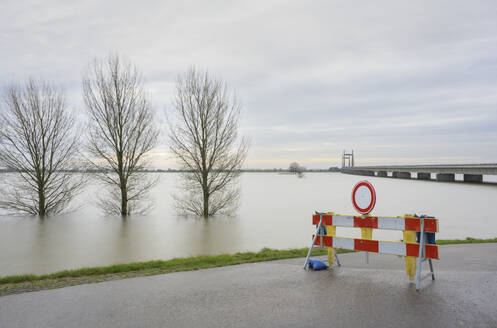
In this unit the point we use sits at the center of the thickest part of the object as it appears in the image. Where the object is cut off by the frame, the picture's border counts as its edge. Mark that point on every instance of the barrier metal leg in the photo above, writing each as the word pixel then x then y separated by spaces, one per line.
pixel 318 232
pixel 338 261
pixel 421 256
pixel 431 270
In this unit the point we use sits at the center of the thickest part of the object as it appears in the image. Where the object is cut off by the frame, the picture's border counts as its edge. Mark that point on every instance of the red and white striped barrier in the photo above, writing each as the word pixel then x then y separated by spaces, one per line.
pixel 364 200
pixel 414 253
pixel 376 246
pixel 377 222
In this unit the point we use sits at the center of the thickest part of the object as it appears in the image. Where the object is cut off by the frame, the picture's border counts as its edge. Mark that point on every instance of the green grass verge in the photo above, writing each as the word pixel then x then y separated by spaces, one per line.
pixel 174 265
pixel 118 271
pixel 468 240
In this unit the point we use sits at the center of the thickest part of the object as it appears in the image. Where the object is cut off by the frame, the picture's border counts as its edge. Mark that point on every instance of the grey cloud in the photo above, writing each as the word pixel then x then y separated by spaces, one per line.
pixel 412 79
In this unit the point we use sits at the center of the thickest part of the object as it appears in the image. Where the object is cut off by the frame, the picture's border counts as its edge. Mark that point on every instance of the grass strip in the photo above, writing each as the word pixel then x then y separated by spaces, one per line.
pixel 174 265
pixel 468 240
pixel 23 283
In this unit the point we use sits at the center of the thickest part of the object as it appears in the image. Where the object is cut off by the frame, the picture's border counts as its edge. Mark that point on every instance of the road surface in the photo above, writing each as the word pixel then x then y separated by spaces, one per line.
pixel 278 294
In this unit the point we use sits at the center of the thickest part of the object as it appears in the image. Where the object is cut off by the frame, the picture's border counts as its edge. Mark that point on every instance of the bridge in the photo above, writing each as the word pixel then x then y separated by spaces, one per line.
pixel 470 172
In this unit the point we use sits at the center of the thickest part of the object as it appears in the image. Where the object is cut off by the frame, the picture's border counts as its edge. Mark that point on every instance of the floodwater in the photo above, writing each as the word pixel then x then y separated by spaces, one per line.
pixel 275 212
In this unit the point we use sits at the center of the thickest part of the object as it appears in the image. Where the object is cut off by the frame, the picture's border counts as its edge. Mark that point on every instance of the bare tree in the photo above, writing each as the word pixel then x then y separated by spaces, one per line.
pixel 38 141
pixel 203 137
pixel 294 167
pixel 121 133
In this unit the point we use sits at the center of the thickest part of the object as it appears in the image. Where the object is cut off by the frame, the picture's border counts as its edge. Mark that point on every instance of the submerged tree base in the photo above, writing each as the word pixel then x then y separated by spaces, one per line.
pixel 28 283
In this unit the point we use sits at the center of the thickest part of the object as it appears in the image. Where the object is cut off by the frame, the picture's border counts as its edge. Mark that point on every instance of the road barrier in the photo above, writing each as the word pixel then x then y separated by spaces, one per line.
pixel 415 253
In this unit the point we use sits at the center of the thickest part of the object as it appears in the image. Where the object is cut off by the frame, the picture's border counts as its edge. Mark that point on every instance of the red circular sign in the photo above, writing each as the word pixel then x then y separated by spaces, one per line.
pixel 363 197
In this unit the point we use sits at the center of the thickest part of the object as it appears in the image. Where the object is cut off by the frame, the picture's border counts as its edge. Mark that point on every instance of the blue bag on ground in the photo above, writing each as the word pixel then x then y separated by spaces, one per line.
pixel 317 265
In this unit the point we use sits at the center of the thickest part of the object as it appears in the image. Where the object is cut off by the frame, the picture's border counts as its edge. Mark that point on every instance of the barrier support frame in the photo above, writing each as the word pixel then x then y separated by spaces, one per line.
pixel 421 258
pixel 319 232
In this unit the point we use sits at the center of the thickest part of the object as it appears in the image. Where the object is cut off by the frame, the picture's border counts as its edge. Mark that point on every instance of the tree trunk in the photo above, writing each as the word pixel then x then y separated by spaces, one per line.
pixel 206 204
pixel 41 201
pixel 122 184
pixel 206 195
pixel 124 199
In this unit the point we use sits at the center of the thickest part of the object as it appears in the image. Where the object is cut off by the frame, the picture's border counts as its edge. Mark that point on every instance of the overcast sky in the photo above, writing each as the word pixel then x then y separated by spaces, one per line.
pixel 396 81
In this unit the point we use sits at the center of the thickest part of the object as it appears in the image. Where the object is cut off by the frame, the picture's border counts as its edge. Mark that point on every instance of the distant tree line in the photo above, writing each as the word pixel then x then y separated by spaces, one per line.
pixel 41 141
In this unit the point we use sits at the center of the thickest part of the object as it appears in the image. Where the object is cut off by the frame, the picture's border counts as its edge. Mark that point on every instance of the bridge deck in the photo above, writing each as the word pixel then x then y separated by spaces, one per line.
pixel 477 169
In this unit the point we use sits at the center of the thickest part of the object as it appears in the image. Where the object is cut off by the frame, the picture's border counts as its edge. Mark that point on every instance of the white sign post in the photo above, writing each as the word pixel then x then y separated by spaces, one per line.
pixel 364 199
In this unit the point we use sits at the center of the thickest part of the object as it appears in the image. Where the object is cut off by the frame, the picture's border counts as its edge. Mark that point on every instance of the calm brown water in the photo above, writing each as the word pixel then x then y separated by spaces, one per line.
pixel 275 212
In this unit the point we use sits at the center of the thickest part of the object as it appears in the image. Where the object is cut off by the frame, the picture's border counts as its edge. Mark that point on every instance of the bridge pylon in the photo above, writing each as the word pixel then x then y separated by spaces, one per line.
pixel 348 159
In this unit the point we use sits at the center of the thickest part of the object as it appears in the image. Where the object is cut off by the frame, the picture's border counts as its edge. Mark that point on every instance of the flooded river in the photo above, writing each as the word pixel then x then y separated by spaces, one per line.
pixel 275 212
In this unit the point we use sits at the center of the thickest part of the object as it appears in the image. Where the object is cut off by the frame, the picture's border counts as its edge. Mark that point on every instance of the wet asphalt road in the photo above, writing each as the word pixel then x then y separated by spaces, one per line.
pixel 278 294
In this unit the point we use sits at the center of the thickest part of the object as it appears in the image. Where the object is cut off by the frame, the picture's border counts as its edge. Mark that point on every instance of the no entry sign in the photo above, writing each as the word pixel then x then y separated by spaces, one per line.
pixel 363 197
